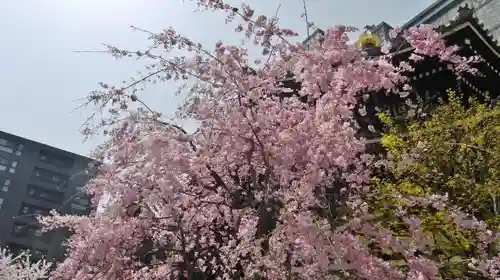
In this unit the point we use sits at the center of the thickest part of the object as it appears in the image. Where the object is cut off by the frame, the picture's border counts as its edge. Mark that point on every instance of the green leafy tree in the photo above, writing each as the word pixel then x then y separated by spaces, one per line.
pixel 453 156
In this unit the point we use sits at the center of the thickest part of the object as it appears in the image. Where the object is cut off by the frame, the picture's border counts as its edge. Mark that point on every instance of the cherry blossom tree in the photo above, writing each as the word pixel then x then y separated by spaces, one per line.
pixel 20 267
pixel 275 181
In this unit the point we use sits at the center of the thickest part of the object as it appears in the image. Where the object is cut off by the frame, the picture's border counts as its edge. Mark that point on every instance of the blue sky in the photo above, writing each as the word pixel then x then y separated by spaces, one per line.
pixel 43 80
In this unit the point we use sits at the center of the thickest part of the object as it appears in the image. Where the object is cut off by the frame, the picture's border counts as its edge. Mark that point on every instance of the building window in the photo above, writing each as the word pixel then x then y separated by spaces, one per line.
pixel 19 149
pixel 6 184
pixel 29 231
pixel 81 201
pixel 16 249
pixel 3 163
pixel 4 189
pixel 28 209
pixel 38 254
pixel 35 254
pixel 65 243
pixel 50 177
pixel 13 168
pixel 56 160
pixel 7 146
pixel 80 188
pixel 17 230
pixel 80 204
pixel 77 207
pixel 40 193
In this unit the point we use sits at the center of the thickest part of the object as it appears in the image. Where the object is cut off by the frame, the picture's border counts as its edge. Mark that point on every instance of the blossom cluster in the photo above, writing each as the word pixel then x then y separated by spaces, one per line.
pixel 270 185
pixel 20 267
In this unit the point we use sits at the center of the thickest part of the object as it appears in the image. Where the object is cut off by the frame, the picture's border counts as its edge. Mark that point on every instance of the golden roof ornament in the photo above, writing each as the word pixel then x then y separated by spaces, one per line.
pixel 368 39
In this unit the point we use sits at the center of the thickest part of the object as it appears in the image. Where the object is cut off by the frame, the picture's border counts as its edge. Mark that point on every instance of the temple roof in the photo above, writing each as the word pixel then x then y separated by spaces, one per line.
pixel 464 20
pixel 432 78
pixel 316 33
pixel 432 11
pixel 464 24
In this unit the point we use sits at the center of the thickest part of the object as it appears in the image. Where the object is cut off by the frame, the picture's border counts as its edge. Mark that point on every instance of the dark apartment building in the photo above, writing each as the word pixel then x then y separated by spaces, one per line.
pixel 35 178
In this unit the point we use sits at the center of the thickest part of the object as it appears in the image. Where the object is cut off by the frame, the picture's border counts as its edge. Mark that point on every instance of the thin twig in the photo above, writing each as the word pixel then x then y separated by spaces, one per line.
pixel 472 147
pixel 275 46
pixel 307 19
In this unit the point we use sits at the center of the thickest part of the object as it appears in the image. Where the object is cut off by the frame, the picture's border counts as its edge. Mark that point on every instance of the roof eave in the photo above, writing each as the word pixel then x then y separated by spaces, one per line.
pixel 429 12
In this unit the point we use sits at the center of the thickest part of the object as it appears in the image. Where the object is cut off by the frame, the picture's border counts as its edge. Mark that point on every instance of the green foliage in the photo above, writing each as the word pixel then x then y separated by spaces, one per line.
pixel 455 152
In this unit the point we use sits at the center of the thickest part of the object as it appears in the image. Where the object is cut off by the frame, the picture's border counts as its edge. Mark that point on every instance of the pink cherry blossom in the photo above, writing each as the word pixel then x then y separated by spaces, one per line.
pixel 20 267
pixel 252 191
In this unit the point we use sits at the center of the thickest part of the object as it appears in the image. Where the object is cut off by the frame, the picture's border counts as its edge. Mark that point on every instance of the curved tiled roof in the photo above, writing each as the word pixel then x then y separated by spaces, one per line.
pixel 434 9
pixel 465 19
pixel 433 78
